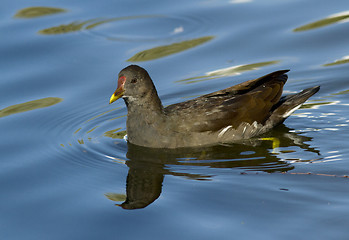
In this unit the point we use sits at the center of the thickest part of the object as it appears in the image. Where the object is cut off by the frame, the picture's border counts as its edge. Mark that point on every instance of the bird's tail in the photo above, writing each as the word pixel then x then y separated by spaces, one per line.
pixel 288 104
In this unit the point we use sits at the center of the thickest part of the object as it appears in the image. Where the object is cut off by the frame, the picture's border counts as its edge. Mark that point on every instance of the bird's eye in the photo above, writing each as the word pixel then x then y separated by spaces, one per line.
pixel 134 80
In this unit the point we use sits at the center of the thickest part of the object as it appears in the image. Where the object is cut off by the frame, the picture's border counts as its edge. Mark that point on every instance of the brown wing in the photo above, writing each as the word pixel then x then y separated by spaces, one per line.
pixel 251 84
pixel 246 102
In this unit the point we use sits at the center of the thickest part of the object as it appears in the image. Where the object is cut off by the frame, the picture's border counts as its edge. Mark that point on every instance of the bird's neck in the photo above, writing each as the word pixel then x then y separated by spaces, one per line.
pixel 148 104
pixel 145 120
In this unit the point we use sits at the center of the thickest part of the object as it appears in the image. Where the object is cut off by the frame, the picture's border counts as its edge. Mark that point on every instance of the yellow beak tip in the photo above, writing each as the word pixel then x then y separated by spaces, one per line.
pixel 115 97
pixel 112 99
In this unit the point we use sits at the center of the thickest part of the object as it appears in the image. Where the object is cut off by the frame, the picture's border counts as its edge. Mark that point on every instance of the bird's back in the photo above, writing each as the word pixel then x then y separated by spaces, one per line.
pixel 248 102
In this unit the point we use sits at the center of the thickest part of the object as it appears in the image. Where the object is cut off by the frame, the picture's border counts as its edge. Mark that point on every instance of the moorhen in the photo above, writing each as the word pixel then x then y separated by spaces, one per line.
pixel 239 112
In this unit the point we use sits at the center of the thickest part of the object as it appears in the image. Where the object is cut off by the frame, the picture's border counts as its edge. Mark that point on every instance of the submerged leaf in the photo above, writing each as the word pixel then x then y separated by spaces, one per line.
pixel 33 12
pixel 344 60
pixel 28 106
pixel 335 18
pixel 163 51
pixel 229 71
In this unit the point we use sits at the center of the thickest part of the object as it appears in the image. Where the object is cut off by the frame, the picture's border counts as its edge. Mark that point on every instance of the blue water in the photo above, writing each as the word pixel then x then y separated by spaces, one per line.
pixel 67 173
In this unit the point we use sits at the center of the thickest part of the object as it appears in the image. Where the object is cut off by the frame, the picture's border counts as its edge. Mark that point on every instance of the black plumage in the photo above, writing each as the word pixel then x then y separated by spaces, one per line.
pixel 238 112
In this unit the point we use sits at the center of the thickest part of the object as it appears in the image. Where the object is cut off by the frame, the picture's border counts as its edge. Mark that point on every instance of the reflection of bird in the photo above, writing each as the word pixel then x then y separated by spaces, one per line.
pixel 149 166
pixel 238 112
pixel 143 187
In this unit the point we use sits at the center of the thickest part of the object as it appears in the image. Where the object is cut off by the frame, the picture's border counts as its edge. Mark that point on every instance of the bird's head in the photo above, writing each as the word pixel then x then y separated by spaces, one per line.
pixel 134 83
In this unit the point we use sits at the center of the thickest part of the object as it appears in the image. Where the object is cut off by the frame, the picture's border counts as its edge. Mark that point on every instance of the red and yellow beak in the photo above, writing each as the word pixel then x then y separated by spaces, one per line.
pixel 119 92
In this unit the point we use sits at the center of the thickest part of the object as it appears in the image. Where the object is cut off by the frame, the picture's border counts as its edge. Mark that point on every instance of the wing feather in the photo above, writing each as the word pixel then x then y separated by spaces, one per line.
pixel 249 102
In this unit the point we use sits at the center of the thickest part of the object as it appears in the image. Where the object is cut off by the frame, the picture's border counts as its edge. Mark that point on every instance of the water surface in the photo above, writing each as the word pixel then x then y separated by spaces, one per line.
pixel 67 173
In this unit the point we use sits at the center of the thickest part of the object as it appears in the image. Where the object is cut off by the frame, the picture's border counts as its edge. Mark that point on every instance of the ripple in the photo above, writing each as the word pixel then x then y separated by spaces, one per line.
pixel 131 28
pixel 89 136
pixel 146 28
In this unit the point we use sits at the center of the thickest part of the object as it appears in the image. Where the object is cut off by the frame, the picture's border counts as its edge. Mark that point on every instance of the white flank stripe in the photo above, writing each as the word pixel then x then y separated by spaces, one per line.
pixel 289 112
pixel 223 131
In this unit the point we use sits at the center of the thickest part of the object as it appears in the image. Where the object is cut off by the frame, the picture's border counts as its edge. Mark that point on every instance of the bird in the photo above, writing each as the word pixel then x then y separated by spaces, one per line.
pixel 239 112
